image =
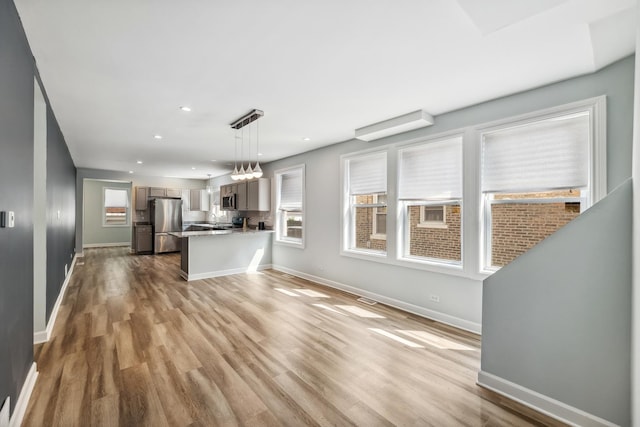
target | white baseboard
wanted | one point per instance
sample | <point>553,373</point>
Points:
<point>411,308</point>
<point>541,403</point>
<point>43,336</point>
<point>219,273</point>
<point>23,398</point>
<point>104,245</point>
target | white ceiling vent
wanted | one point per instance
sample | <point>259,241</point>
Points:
<point>400,124</point>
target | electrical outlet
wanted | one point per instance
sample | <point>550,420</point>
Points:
<point>435,298</point>
<point>11,219</point>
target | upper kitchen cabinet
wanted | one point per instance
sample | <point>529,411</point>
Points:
<point>198,200</point>
<point>241,196</point>
<point>142,193</point>
<point>174,192</point>
<point>157,192</point>
<point>259,195</point>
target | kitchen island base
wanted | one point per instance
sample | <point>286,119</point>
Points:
<point>210,254</point>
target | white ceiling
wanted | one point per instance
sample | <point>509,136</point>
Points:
<point>117,71</point>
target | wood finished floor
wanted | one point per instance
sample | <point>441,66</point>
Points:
<point>135,345</point>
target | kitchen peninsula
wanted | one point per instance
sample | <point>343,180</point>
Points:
<point>213,253</point>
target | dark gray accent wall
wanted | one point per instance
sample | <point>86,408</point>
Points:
<point>16,194</point>
<point>558,320</point>
<point>61,197</point>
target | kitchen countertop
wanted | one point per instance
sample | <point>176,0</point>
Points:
<point>182,234</point>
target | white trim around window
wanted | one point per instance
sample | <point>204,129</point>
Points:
<point>116,207</point>
<point>290,205</point>
<point>472,203</point>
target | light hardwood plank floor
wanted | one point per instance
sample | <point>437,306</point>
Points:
<point>135,345</point>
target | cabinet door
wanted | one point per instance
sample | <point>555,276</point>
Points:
<point>142,193</point>
<point>253,195</point>
<point>259,195</point>
<point>241,196</point>
<point>194,200</point>
<point>174,192</point>
<point>157,192</point>
<point>144,239</point>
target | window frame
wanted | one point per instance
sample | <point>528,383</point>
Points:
<point>280,214</point>
<point>347,236</point>
<point>472,204</point>
<point>597,166</point>
<point>127,222</point>
<point>422,223</point>
<point>374,229</point>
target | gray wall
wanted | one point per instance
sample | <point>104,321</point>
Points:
<point>61,214</point>
<point>460,297</point>
<point>16,194</point>
<point>558,320</point>
<point>93,231</point>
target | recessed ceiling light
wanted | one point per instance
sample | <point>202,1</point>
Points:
<point>259,154</point>
<point>157,136</point>
<point>139,162</point>
<point>193,169</point>
<point>185,108</point>
<point>214,160</point>
<point>130,171</point>
<point>306,138</point>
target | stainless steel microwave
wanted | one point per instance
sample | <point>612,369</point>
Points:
<point>229,201</point>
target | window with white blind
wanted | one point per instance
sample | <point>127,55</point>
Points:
<point>430,199</point>
<point>290,206</point>
<point>116,211</point>
<point>366,201</point>
<point>536,177</point>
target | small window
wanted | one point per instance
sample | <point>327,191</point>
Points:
<point>116,207</point>
<point>366,198</point>
<point>430,196</point>
<point>433,217</point>
<point>290,206</point>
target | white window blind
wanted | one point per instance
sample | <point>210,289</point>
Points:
<point>368,174</point>
<point>431,171</point>
<point>291,191</point>
<point>114,198</point>
<point>549,154</point>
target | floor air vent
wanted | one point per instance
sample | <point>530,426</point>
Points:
<point>367,301</point>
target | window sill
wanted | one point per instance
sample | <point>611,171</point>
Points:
<point>378,237</point>
<point>449,269</point>
<point>291,243</point>
<point>432,225</point>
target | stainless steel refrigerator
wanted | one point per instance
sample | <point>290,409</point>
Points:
<point>166,216</point>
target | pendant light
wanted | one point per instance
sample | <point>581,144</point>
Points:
<point>241,173</point>
<point>234,174</point>
<point>240,123</point>
<point>257,171</point>
<point>249,172</point>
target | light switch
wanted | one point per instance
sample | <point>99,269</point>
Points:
<point>11,219</point>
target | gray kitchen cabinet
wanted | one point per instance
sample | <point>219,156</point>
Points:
<point>174,192</point>
<point>144,239</point>
<point>198,200</point>
<point>241,196</point>
<point>259,195</point>
<point>157,192</point>
<point>142,193</point>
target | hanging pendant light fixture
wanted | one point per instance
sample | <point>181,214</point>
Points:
<point>241,173</point>
<point>234,174</point>
<point>240,124</point>
<point>249,172</point>
<point>257,171</point>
